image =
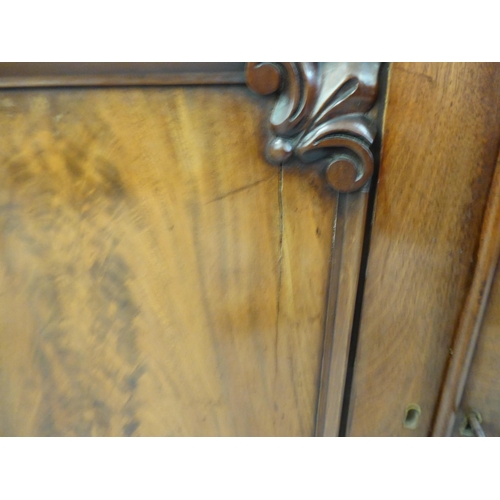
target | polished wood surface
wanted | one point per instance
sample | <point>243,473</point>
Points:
<point>482,390</point>
<point>160,278</point>
<point>325,118</point>
<point>347,246</point>
<point>471,317</point>
<point>441,136</point>
<point>157,275</point>
<point>118,74</point>
<point>322,113</point>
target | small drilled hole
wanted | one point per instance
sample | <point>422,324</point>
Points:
<point>412,415</point>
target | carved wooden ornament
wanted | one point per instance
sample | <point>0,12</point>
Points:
<point>321,116</point>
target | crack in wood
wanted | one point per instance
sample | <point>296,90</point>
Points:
<point>280,269</point>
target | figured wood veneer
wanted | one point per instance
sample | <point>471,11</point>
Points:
<point>157,276</point>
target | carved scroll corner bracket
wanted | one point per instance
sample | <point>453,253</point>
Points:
<point>322,114</point>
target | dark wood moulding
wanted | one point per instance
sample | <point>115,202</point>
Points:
<point>89,74</point>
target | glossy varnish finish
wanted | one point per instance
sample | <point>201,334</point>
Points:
<point>442,127</point>
<point>344,275</point>
<point>322,115</point>
<point>24,75</point>
<point>158,276</point>
<point>325,118</point>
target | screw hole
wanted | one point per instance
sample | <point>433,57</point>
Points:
<point>412,416</point>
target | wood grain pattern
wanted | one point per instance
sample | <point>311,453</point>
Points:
<point>157,276</point>
<point>471,317</point>
<point>482,391</point>
<point>301,299</point>
<point>118,74</point>
<point>441,133</point>
<point>344,276</point>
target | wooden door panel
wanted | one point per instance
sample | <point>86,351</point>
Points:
<point>158,276</point>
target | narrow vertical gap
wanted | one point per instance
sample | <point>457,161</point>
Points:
<point>377,150</point>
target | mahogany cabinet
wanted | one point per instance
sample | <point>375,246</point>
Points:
<point>261,249</point>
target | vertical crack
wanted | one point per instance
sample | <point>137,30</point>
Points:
<point>280,271</point>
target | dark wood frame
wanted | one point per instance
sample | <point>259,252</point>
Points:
<point>99,74</point>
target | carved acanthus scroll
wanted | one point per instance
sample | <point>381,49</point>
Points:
<point>322,115</point>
